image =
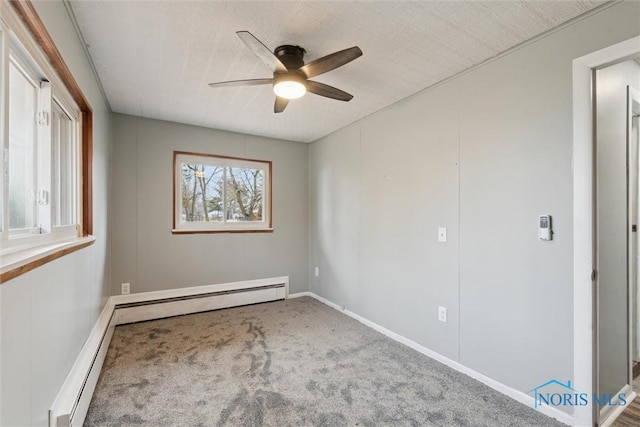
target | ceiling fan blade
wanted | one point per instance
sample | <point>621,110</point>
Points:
<point>328,91</point>
<point>250,82</point>
<point>280,105</point>
<point>331,62</point>
<point>261,51</point>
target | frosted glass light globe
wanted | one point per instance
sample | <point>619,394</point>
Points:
<point>289,89</point>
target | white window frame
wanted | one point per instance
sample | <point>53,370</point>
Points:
<point>73,112</point>
<point>17,43</point>
<point>182,227</point>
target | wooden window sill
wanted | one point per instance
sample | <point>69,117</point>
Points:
<point>17,263</point>
<point>230,230</point>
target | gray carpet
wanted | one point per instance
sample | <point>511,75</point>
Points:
<point>287,363</point>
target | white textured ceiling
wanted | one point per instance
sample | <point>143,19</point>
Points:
<point>155,58</point>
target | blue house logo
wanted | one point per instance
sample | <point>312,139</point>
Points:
<point>554,399</point>
<point>557,393</point>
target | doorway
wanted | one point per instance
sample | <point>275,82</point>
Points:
<point>586,293</point>
<point>633,137</point>
<point>616,185</point>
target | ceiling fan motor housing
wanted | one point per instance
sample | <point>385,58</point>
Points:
<point>291,56</point>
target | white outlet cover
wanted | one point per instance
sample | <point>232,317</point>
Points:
<point>442,234</point>
<point>125,288</point>
<point>442,314</point>
<point>317,272</point>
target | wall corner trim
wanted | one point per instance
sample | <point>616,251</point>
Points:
<point>299,295</point>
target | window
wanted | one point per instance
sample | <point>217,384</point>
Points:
<point>221,194</point>
<point>41,183</point>
<point>65,170</point>
<point>22,162</point>
<point>45,154</point>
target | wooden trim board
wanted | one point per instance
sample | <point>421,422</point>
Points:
<point>42,260</point>
<point>268,207</point>
<point>29,16</point>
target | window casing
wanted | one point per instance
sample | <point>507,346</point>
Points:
<point>220,194</point>
<point>40,160</point>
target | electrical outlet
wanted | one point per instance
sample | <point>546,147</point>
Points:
<point>442,314</point>
<point>125,288</point>
<point>317,272</point>
<point>442,234</point>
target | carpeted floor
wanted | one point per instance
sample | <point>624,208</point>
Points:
<point>287,363</point>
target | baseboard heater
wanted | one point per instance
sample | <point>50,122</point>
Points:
<point>72,402</point>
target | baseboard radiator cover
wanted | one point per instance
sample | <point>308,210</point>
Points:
<point>72,402</point>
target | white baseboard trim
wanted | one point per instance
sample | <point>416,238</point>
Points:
<point>72,402</point>
<point>73,399</point>
<point>517,395</point>
<point>607,418</point>
<point>299,295</point>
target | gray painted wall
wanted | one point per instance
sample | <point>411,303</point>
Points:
<point>146,253</point>
<point>483,154</point>
<point>46,315</point>
<point>611,98</point>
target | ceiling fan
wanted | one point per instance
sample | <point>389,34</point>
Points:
<point>290,74</point>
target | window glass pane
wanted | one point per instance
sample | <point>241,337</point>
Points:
<point>201,192</point>
<point>63,148</point>
<point>244,194</point>
<point>22,151</point>
<point>218,193</point>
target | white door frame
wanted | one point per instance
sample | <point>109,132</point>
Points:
<point>583,207</point>
<point>635,139</point>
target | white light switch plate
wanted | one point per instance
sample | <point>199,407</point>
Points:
<point>317,272</point>
<point>442,234</point>
<point>442,314</point>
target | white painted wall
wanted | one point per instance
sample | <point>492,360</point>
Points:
<point>149,257</point>
<point>611,89</point>
<point>47,314</point>
<point>483,154</point>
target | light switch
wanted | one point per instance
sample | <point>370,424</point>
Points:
<point>442,234</point>
<point>442,314</point>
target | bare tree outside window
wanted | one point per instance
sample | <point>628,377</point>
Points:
<point>202,189</point>
<point>244,194</point>
<point>231,194</point>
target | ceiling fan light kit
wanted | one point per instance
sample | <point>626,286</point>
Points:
<point>290,73</point>
<point>289,86</point>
